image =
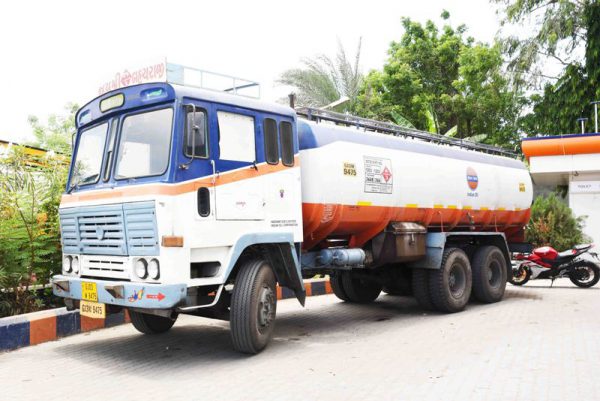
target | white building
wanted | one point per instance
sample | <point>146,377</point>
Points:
<point>574,161</point>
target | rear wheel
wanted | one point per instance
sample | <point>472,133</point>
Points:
<point>399,283</point>
<point>359,289</point>
<point>253,307</point>
<point>150,324</point>
<point>489,274</point>
<point>450,286</point>
<point>420,288</point>
<point>585,275</point>
<point>338,287</point>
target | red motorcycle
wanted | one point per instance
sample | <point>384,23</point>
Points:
<point>547,263</point>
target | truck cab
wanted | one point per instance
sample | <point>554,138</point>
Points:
<point>174,195</point>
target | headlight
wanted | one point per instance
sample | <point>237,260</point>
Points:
<point>67,264</point>
<point>75,265</point>
<point>140,268</point>
<point>153,269</point>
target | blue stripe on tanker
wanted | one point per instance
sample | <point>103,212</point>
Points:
<point>313,135</point>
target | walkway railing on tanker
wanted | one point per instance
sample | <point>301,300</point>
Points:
<point>396,130</point>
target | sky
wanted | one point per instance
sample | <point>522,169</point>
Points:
<point>55,52</point>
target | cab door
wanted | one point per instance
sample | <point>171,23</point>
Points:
<point>195,154</point>
<point>239,185</point>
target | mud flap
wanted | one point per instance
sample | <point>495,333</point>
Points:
<point>284,260</point>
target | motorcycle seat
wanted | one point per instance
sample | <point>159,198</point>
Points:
<point>568,252</point>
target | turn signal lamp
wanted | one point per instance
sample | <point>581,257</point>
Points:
<point>172,241</point>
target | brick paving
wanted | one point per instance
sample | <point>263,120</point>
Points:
<point>540,343</point>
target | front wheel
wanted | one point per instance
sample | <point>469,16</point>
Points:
<point>585,275</point>
<point>253,307</point>
<point>150,324</point>
<point>520,275</point>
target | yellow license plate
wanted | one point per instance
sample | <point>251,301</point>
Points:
<point>92,309</point>
<point>89,291</point>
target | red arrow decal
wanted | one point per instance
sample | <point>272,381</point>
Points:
<point>160,296</point>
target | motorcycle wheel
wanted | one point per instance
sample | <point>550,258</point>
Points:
<point>585,275</point>
<point>520,276</point>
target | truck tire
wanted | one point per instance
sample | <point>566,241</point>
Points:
<point>450,286</point>
<point>359,290</point>
<point>489,274</point>
<point>399,284</point>
<point>150,324</point>
<point>337,286</point>
<point>253,307</point>
<point>420,288</point>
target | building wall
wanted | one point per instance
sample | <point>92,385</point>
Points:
<point>584,200</point>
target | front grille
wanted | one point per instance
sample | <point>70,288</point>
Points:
<point>119,230</point>
<point>116,267</point>
<point>141,228</point>
<point>101,232</point>
<point>105,265</point>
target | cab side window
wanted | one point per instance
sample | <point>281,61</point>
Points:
<point>287,143</point>
<point>236,137</point>
<point>271,142</point>
<point>201,134</point>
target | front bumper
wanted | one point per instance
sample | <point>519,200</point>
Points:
<point>123,293</point>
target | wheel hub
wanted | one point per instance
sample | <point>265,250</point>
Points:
<point>584,274</point>
<point>456,281</point>
<point>266,306</point>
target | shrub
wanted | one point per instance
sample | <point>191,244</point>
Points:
<point>30,251</point>
<point>553,223</point>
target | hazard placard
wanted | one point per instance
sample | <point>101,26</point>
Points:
<point>379,177</point>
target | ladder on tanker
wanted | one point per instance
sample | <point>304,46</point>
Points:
<point>348,120</point>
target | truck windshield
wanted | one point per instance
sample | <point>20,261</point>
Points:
<point>145,144</point>
<point>86,169</point>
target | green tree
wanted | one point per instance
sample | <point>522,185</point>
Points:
<point>30,251</point>
<point>323,80</point>
<point>444,82</point>
<point>57,133</point>
<point>553,223</point>
<point>564,33</point>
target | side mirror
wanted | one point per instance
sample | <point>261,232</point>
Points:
<point>191,129</point>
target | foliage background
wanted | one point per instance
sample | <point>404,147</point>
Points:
<point>31,184</point>
<point>553,223</point>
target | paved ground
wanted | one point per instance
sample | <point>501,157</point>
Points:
<point>538,344</point>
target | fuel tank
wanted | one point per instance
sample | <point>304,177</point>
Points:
<point>355,183</point>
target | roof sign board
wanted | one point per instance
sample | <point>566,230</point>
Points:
<point>163,71</point>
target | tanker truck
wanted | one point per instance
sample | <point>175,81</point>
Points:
<point>184,200</point>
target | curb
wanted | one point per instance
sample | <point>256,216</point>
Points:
<point>49,325</point>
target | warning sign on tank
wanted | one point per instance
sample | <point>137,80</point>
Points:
<point>379,178</point>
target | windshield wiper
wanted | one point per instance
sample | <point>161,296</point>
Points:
<point>72,187</point>
<point>88,179</point>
